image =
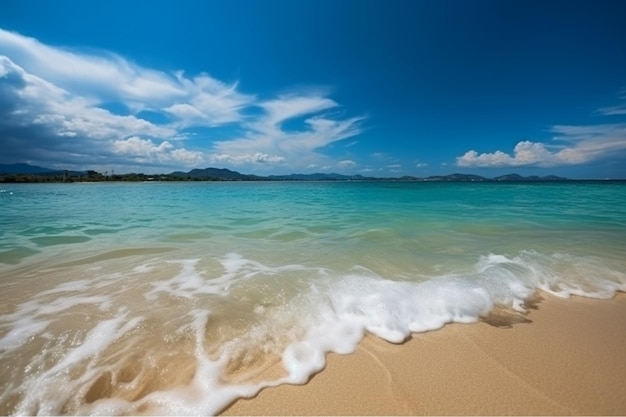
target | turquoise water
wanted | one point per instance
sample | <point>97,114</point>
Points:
<point>170,298</point>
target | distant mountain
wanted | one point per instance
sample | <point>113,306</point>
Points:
<point>228,175</point>
<point>215,174</point>
<point>223,174</point>
<point>456,177</point>
<point>317,177</point>
<point>37,171</point>
<point>517,177</point>
<point>23,169</point>
<point>501,178</point>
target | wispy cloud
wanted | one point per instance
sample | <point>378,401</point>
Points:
<point>394,168</point>
<point>268,136</point>
<point>207,102</point>
<point>54,107</point>
<point>616,110</point>
<point>107,77</point>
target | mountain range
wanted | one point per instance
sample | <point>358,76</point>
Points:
<point>223,174</point>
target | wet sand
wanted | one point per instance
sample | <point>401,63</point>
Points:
<point>566,357</point>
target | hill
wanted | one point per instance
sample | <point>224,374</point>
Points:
<point>32,173</point>
<point>220,174</point>
<point>23,169</point>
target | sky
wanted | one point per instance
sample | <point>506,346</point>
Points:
<point>371,87</point>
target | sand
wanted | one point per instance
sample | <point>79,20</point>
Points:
<point>566,357</point>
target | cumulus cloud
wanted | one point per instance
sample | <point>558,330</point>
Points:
<point>346,164</point>
<point>48,122</point>
<point>572,145</point>
<point>146,151</point>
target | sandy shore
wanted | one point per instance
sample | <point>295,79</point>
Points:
<point>567,357</point>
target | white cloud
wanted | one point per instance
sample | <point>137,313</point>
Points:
<point>296,148</point>
<point>65,126</point>
<point>614,110</point>
<point>187,157</point>
<point>104,77</point>
<point>573,145</point>
<point>257,157</point>
<point>40,102</point>
<point>146,151</point>
<point>86,72</point>
<point>54,102</point>
<point>141,147</point>
<point>207,102</point>
<point>382,157</point>
<point>288,107</point>
<point>620,109</point>
<point>524,153</point>
<point>346,164</point>
<point>421,165</point>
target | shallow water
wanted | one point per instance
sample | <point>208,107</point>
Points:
<point>177,298</point>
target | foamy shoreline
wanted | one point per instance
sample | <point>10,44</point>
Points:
<point>566,357</point>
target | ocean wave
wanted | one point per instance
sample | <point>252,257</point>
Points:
<point>190,336</point>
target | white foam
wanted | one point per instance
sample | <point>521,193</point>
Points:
<point>300,321</point>
<point>51,389</point>
<point>190,282</point>
<point>22,329</point>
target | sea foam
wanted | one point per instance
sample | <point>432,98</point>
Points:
<point>195,339</point>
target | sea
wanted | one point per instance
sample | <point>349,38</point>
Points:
<point>179,298</point>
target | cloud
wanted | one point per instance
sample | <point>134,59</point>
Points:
<point>257,157</point>
<point>614,110</point>
<point>146,151</point>
<point>207,102</point>
<point>288,107</point>
<point>107,77</point>
<point>294,147</point>
<point>346,164</point>
<point>45,121</point>
<point>55,106</point>
<point>382,157</point>
<point>573,145</point>
<point>617,110</point>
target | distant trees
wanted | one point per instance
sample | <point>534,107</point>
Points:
<point>93,176</point>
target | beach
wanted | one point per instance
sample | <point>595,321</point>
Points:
<point>565,357</point>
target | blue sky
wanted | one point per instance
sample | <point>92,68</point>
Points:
<point>381,88</point>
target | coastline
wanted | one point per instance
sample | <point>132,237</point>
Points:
<point>566,357</point>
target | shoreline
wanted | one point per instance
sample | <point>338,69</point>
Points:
<point>565,357</point>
